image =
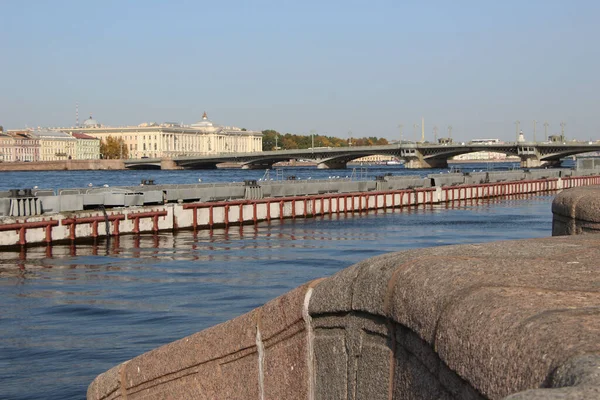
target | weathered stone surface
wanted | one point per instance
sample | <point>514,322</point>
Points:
<point>331,364</point>
<point>514,318</point>
<point>578,378</point>
<point>224,361</point>
<point>576,211</point>
<point>106,385</point>
<point>502,315</point>
<point>286,372</point>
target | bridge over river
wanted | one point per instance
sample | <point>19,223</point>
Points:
<point>415,155</point>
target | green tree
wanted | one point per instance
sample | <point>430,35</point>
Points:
<point>1,128</point>
<point>271,139</point>
<point>291,141</point>
<point>113,148</point>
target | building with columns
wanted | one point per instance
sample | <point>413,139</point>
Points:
<point>168,140</point>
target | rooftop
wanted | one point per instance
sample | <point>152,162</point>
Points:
<point>77,135</point>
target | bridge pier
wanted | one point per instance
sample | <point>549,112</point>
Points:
<point>416,163</point>
<point>530,157</point>
<point>168,164</point>
<point>263,165</point>
<point>334,164</point>
<point>530,162</point>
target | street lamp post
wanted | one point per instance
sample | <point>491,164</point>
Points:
<point>546,130</point>
<point>312,139</point>
<point>534,122</point>
<point>400,126</point>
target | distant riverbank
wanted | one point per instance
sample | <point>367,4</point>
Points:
<point>66,165</point>
<point>506,160</point>
<point>95,165</point>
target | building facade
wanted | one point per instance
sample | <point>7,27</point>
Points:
<point>55,145</point>
<point>170,140</point>
<point>7,147</point>
<point>375,159</point>
<point>86,147</point>
<point>19,145</point>
<point>485,155</point>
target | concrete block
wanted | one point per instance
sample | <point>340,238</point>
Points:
<point>4,206</point>
<point>93,199</point>
<point>133,199</point>
<point>50,204</point>
<point>153,197</point>
<point>70,202</point>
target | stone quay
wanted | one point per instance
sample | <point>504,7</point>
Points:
<point>517,320</point>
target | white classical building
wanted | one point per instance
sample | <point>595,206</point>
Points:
<point>169,140</point>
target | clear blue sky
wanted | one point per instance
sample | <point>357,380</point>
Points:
<point>293,66</point>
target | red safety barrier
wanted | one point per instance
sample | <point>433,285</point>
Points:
<point>146,214</point>
<point>73,222</point>
<point>23,226</point>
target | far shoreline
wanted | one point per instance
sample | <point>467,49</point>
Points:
<point>110,165</point>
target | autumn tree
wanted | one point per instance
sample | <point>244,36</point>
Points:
<point>113,148</point>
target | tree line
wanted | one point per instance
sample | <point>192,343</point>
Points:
<point>291,141</point>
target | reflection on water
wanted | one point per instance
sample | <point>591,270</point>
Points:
<point>72,312</point>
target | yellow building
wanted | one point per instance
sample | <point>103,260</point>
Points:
<point>7,144</point>
<point>169,140</point>
<point>55,145</point>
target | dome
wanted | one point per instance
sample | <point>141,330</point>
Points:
<point>205,123</point>
<point>91,123</point>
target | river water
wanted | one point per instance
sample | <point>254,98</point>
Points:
<point>72,312</point>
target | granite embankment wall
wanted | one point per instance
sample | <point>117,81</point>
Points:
<point>576,211</point>
<point>71,226</point>
<point>517,319</point>
<point>63,165</point>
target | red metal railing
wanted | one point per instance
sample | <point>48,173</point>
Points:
<point>22,227</point>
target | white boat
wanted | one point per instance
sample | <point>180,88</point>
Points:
<point>394,162</point>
